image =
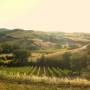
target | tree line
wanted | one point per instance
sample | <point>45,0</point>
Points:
<point>19,55</point>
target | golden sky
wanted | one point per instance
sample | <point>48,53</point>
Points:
<point>46,15</point>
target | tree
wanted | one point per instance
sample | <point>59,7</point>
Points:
<point>88,49</point>
<point>42,61</point>
<point>1,49</point>
<point>78,62</point>
<point>9,47</point>
<point>5,48</point>
<point>21,56</point>
<point>66,60</point>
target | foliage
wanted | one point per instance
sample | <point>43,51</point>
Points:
<point>21,56</point>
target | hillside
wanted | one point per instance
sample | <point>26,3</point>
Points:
<point>35,40</point>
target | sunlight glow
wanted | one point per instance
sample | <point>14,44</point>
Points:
<point>46,15</point>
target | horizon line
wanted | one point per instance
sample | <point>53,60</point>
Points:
<point>42,30</point>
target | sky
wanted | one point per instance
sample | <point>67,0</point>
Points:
<point>46,15</point>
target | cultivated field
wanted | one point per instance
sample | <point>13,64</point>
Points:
<point>41,75</point>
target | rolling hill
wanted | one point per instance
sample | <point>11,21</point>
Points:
<point>35,40</point>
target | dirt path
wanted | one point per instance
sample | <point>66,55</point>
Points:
<point>71,51</point>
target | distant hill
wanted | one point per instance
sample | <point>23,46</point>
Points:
<point>42,40</point>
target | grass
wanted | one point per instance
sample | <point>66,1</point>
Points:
<point>14,86</point>
<point>49,51</point>
<point>4,55</point>
<point>37,54</point>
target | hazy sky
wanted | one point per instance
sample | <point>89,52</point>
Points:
<point>49,15</point>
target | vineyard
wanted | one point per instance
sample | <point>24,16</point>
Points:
<point>36,71</point>
<point>40,75</point>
